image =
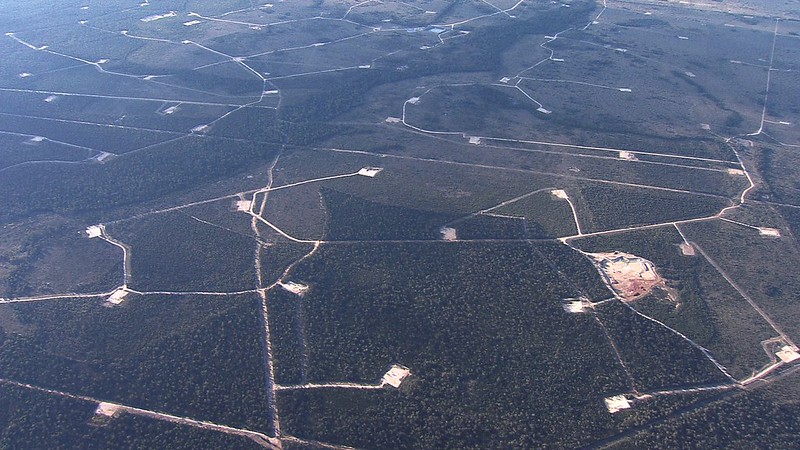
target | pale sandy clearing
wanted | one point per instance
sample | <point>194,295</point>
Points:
<point>575,305</point>
<point>243,205</point>
<point>103,156</point>
<point>448,233</point>
<point>769,232</point>
<point>158,16</point>
<point>687,249</point>
<point>395,375</point>
<point>370,171</point>
<point>788,354</point>
<point>118,296</point>
<point>628,275</point>
<point>107,409</point>
<point>617,403</point>
<point>94,231</point>
<point>295,288</point>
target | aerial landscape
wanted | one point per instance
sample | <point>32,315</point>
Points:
<point>421,224</point>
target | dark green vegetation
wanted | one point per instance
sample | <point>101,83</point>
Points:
<point>486,226</point>
<point>31,419</point>
<point>48,254</point>
<point>582,274</point>
<point>613,207</point>
<point>767,418</point>
<point>656,357</point>
<point>186,356</point>
<point>277,257</point>
<point>201,110</point>
<point>779,167</point>
<point>287,328</point>
<point>148,174</point>
<point>474,323</point>
<point>15,149</point>
<point>774,257</point>
<point>103,138</point>
<point>697,301</point>
<point>167,255</point>
<point>545,216</point>
<point>353,219</point>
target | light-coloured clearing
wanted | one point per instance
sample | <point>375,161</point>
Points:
<point>769,232</point>
<point>50,98</point>
<point>543,111</point>
<point>191,23</point>
<point>94,231</point>
<point>370,171</point>
<point>107,409</point>
<point>25,75</point>
<point>393,120</point>
<point>243,205</point>
<point>103,156</point>
<point>200,129</point>
<point>617,403</point>
<point>118,296</point>
<point>628,275</point>
<point>627,156</point>
<point>158,16</point>
<point>576,305</point>
<point>448,233</point>
<point>560,193</point>
<point>687,249</point>
<point>295,288</point>
<point>395,375</point>
<point>474,140</point>
<point>413,100</point>
<point>788,354</point>
<point>505,80</point>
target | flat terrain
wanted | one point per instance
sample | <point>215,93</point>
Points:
<point>565,224</point>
